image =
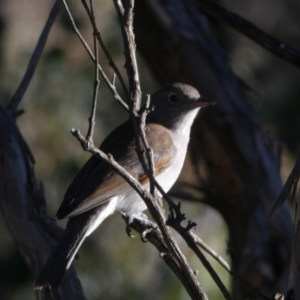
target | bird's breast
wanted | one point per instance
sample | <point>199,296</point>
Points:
<point>167,178</point>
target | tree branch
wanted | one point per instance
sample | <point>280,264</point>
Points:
<point>22,88</point>
<point>106,52</point>
<point>291,182</point>
<point>197,240</point>
<point>270,43</point>
<point>126,20</point>
<point>152,233</point>
<point>110,85</point>
<point>90,133</point>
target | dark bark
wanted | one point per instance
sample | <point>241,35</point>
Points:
<point>23,205</point>
<point>236,161</point>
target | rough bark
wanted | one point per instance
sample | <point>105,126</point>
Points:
<point>23,205</point>
<point>236,161</point>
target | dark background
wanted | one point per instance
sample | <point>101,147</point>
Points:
<point>110,264</point>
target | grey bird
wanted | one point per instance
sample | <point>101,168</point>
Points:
<point>97,191</point>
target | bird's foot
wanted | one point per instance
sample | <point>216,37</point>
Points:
<point>142,218</point>
<point>144,233</point>
<point>129,220</point>
<point>151,225</point>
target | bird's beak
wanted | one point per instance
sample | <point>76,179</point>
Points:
<point>202,102</point>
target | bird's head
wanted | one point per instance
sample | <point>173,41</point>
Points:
<point>176,105</point>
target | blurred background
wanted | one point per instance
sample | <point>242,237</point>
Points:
<point>110,264</point>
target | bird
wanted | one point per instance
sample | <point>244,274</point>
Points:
<point>98,192</point>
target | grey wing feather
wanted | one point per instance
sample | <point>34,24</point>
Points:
<point>91,176</point>
<point>97,183</point>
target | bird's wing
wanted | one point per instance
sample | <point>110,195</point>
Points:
<point>96,182</point>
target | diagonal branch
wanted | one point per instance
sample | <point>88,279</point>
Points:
<point>150,231</point>
<point>22,88</point>
<point>197,240</point>
<point>154,236</point>
<point>272,44</point>
<point>291,182</point>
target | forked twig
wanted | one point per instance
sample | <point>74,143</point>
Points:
<point>90,53</point>
<point>106,52</point>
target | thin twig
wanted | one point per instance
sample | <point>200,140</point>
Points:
<point>149,152</point>
<point>90,53</point>
<point>210,251</point>
<point>211,271</point>
<point>106,52</point>
<point>184,232</point>
<point>247,28</point>
<point>126,19</point>
<point>193,240</point>
<point>110,160</point>
<point>114,165</point>
<point>90,133</point>
<point>35,57</point>
<point>196,239</point>
<point>291,182</point>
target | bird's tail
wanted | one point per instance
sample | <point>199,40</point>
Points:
<point>78,228</point>
<point>59,261</point>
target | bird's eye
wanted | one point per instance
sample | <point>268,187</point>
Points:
<point>173,98</point>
